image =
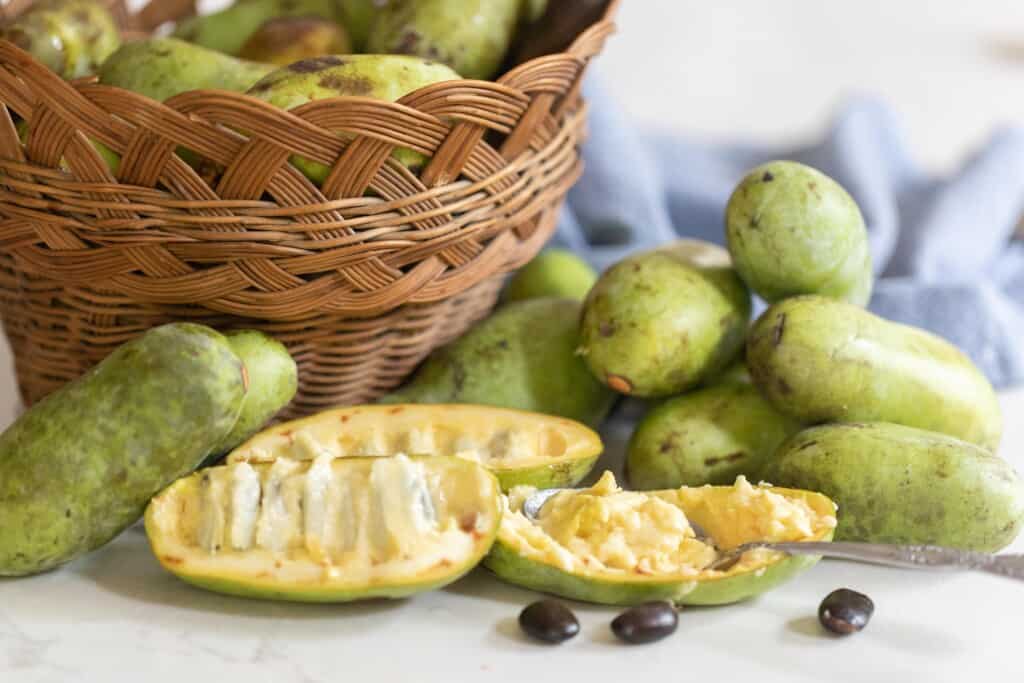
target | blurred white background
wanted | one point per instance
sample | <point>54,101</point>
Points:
<point>776,71</point>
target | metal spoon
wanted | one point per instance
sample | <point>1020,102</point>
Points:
<point>904,556</point>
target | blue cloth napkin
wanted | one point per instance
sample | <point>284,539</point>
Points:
<point>943,247</point>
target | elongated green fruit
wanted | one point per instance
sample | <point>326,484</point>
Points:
<point>522,357</point>
<point>80,466</point>
<point>273,381</point>
<point>470,36</point>
<point>228,30</point>
<point>822,360</point>
<point>896,484</point>
<point>160,68</point>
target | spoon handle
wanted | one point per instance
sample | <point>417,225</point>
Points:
<point>911,556</point>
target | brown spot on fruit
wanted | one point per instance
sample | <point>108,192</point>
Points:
<point>410,40</point>
<point>767,177</point>
<point>784,387</point>
<point>606,329</point>
<point>468,521</point>
<point>620,384</point>
<point>171,559</point>
<point>779,330</point>
<point>311,66</point>
<point>345,418</point>
<point>396,411</point>
<point>349,85</point>
<point>807,445</point>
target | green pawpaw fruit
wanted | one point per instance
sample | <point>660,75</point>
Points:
<point>661,322</point>
<point>71,37</point>
<point>896,484</point>
<point>286,40</point>
<point>522,357</point>
<point>470,36</point>
<point>79,466</point>
<point>228,30</point>
<point>821,360</point>
<point>273,382</point>
<point>553,273</point>
<point>382,77</point>
<point>709,436</point>
<point>792,230</point>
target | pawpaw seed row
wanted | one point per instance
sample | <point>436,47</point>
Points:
<point>330,530</point>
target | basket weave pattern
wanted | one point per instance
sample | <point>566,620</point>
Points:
<point>361,277</point>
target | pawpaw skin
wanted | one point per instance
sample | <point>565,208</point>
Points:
<point>511,567</point>
<point>820,360</point>
<point>664,321</point>
<point>897,484</point>
<point>80,466</point>
<point>793,230</point>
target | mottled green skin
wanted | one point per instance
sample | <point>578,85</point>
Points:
<point>71,37</point>
<point>471,36</point>
<point>79,467</point>
<point>710,436</point>
<point>510,566</point>
<point>566,474</point>
<point>382,77</point>
<point>228,30</point>
<point>553,273</point>
<point>793,230</point>
<point>285,40</point>
<point>821,360</point>
<point>161,68</point>
<point>660,323</point>
<point>524,357</point>
<point>273,381</point>
<point>895,484</point>
<point>358,16</point>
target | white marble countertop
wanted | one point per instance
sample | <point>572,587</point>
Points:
<point>117,616</point>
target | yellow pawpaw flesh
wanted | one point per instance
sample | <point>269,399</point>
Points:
<point>521,448</point>
<point>327,530</point>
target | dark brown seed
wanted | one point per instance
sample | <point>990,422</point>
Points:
<point>845,611</point>
<point>646,623</point>
<point>549,621</point>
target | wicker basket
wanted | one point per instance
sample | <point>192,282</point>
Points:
<point>361,278</point>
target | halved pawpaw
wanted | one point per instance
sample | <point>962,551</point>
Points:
<point>520,448</point>
<point>615,547</point>
<point>327,530</point>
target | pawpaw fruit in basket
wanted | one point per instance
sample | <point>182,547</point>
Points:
<point>228,30</point>
<point>383,77</point>
<point>471,36</point>
<point>286,40</point>
<point>71,37</point>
